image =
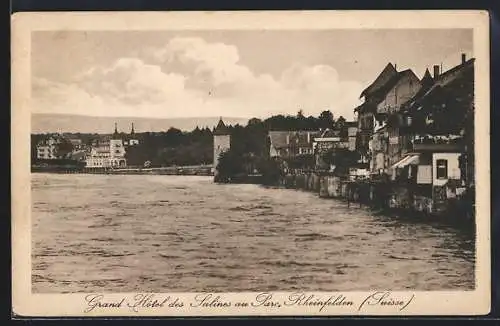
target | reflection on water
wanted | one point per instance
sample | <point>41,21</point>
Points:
<point>184,234</point>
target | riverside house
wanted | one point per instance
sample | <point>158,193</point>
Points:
<point>436,165</point>
<point>341,137</point>
<point>290,144</point>
<point>48,148</point>
<point>380,141</point>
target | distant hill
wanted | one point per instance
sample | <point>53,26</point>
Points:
<point>45,123</point>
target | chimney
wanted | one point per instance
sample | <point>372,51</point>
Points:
<point>463,58</point>
<point>436,71</point>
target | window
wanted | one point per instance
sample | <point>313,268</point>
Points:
<point>441,169</point>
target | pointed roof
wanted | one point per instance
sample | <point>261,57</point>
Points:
<point>132,131</point>
<point>430,84</point>
<point>427,76</point>
<point>328,133</point>
<point>221,128</point>
<point>115,134</point>
<point>379,94</point>
<point>387,73</point>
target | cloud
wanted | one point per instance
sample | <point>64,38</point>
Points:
<point>190,77</point>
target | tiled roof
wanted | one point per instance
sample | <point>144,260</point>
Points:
<point>379,94</point>
<point>221,128</point>
<point>328,133</point>
<point>278,138</point>
<point>299,138</point>
<point>444,81</point>
<point>387,73</point>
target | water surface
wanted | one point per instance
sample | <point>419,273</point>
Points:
<point>112,233</point>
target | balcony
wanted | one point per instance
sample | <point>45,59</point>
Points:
<point>437,147</point>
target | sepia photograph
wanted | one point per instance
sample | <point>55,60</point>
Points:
<point>253,160</point>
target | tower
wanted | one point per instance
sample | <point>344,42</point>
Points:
<point>222,142</point>
<point>115,134</point>
<point>132,139</point>
<point>116,150</point>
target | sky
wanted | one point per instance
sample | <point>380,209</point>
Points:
<point>172,74</point>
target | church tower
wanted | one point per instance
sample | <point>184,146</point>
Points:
<point>132,139</point>
<point>222,142</point>
<point>117,150</point>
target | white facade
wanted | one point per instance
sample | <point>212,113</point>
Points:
<point>47,149</point>
<point>222,143</point>
<point>107,156</point>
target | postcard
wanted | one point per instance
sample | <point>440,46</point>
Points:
<point>263,163</point>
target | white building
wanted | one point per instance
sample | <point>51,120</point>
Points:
<point>48,149</point>
<point>109,154</point>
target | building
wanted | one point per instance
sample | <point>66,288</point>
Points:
<point>48,148</point>
<point>382,102</point>
<point>343,136</point>
<point>366,111</point>
<point>378,147</point>
<point>437,122</point>
<point>77,144</point>
<point>430,175</point>
<point>108,153</point>
<point>289,144</point>
<point>131,139</point>
<point>222,142</point>
<point>325,144</point>
<point>442,113</point>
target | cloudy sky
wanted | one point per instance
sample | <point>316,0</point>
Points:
<point>225,73</point>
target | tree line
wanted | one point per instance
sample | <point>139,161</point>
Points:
<point>175,147</point>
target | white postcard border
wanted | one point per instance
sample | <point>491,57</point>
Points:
<point>25,303</point>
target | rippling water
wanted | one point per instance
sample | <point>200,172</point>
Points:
<point>184,234</point>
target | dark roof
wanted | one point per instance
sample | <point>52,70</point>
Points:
<point>444,81</point>
<point>379,94</point>
<point>382,91</point>
<point>366,107</point>
<point>279,138</point>
<point>328,133</point>
<point>221,128</point>
<point>388,72</point>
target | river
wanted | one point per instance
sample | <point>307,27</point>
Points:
<point>112,233</point>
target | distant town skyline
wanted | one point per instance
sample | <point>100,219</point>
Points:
<point>165,74</point>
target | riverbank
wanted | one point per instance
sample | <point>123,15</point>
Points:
<point>183,170</point>
<point>387,197</point>
<point>384,198</point>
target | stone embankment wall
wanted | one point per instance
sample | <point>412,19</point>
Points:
<point>378,195</point>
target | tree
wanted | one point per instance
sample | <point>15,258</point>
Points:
<point>270,170</point>
<point>64,148</point>
<point>230,165</point>
<point>303,161</point>
<point>254,121</point>
<point>341,158</point>
<point>340,122</point>
<point>326,119</point>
